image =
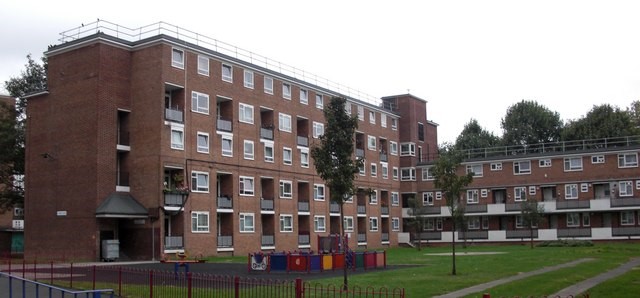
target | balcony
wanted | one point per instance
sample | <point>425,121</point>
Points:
<point>384,157</point>
<point>519,234</point>
<point>573,205</point>
<point>362,237</point>
<point>266,133</point>
<point>225,202</point>
<point>577,232</point>
<point>384,210</point>
<point>625,231</point>
<point>430,236</point>
<point>513,207</point>
<point>173,242</point>
<point>303,207</point>
<point>304,239</point>
<point>268,240</point>
<point>473,235</point>
<point>475,208</point>
<point>628,202</point>
<point>384,237</point>
<point>360,153</point>
<point>224,125</point>
<point>362,209</point>
<point>225,241</point>
<point>174,115</point>
<point>334,208</point>
<point>266,204</point>
<point>430,210</point>
<point>302,141</point>
<point>175,198</point>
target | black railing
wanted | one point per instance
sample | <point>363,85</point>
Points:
<point>475,208</point>
<point>513,207</point>
<point>473,235</point>
<point>430,236</point>
<point>625,231</point>
<point>575,232</point>
<point>524,233</point>
<point>573,204</point>
<point>626,202</point>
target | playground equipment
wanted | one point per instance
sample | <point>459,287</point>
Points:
<point>312,262</point>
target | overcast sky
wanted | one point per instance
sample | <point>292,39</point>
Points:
<point>468,59</point>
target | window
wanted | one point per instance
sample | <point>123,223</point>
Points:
<point>371,143</point>
<point>246,113</point>
<point>268,152</point>
<point>395,224</point>
<point>519,222</point>
<point>627,160</point>
<point>373,197</point>
<point>285,122</point>
<point>394,173</point>
<point>248,79</point>
<point>268,85</point>
<point>246,186</point>
<point>199,102</point>
<point>373,224</point>
<point>319,223</point>
<point>304,97</point>
<point>348,223</point>
<point>394,123</point>
<point>584,187</point>
<point>586,220</point>
<point>474,223</point>
<point>429,225</point>
<point>393,147</point>
<point>475,169</point>
<point>177,137</point>
<point>227,145</point>
<point>286,189</point>
<point>438,195</point>
<point>227,73</point>
<point>247,223</point>
<point>484,192</point>
<point>199,181</point>
<point>347,108</point>
<point>318,129</point>
<point>361,113</point>
<point>544,163</point>
<point>177,58</point>
<point>573,164</point>
<point>304,158</point>
<point>384,168</point>
<point>427,199</point>
<point>596,159</point>
<point>383,120</point>
<point>626,188</point>
<point>248,150</point>
<point>361,169</point>
<point>395,199</point>
<point>407,174</point>
<point>319,101</point>
<point>472,196</point>
<point>374,170</point>
<point>439,224</point>
<point>407,149</point>
<point>286,91</point>
<point>485,222</point>
<point>573,219</point>
<point>520,193</point>
<point>496,166</point>
<point>199,222</point>
<point>532,190</point>
<point>203,65</point>
<point>522,167</point>
<point>203,142</point>
<point>286,223</point>
<point>420,131</point>
<point>287,156</point>
<point>571,191</point>
<point>318,192</point>
<point>372,117</point>
<point>627,218</point>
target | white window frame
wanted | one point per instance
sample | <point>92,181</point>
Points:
<point>361,113</point>
<point>411,174</point>
<point>177,61</point>
<point>371,143</point>
<point>473,196</point>
<point>571,191</point>
<point>284,122</point>
<point>584,187</point>
<point>384,168</point>
<point>249,150</point>
<point>286,91</point>
<point>243,226</point>
<point>319,224</point>
<point>269,157</point>
<point>286,189</point>
<point>304,96</point>
<point>532,190</point>
<point>372,117</point>
<point>627,218</point>
<point>395,173</point>
<point>246,186</point>
<point>319,101</point>
<point>319,192</point>
<point>373,224</point>
<point>246,113</point>
<point>394,123</point>
<point>374,169</point>
<point>287,160</point>
<point>318,129</point>
<point>573,219</point>
<point>408,149</point>
<point>395,198</point>
<point>373,197</point>
<point>200,102</point>
<point>476,169</point>
<point>395,224</point>
<point>347,223</point>
<point>473,223</point>
<point>544,163</point>
<point>519,193</point>
<point>573,164</point>
<point>177,131</point>
<point>496,166</point>
<point>520,222</point>
<point>286,226</point>
<point>623,161</point>
<point>438,195</point>
<point>625,188</point>
<point>383,120</point>
<point>428,198</point>
<point>198,224</point>
<point>304,158</point>
<point>586,219</point>
<point>227,77</point>
<point>227,139</point>
<point>248,79</point>
<point>202,148</point>
<point>484,193</point>
<point>597,159</point>
<point>518,165</point>
<point>393,147</point>
<point>199,181</point>
<point>268,85</point>
<point>203,65</point>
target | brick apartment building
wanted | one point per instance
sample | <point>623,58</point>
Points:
<point>176,142</point>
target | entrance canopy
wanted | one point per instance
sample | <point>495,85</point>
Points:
<point>121,205</point>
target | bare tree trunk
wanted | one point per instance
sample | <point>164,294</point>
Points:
<point>345,247</point>
<point>531,235</point>
<point>453,248</point>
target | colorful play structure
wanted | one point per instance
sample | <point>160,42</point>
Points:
<point>329,257</point>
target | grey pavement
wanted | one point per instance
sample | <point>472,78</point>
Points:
<point>587,284</point>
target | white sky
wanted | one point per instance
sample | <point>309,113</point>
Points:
<point>468,59</point>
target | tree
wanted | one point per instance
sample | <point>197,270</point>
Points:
<point>452,185</point>
<point>475,137</point>
<point>532,214</point>
<point>12,131</point>
<point>634,112</point>
<point>417,222</point>
<point>603,121</point>
<point>528,122</point>
<point>334,161</point>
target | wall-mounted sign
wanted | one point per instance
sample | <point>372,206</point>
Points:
<point>61,213</point>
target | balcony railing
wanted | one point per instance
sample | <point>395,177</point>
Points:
<point>173,242</point>
<point>362,237</point>
<point>303,141</point>
<point>225,241</point>
<point>576,232</point>
<point>573,204</point>
<point>359,152</point>
<point>303,206</point>
<point>304,239</point>
<point>384,237</point>
<point>430,236</point>
<point>628,202</point>
<point>266,204</point>
<point>174,198</point>
<point>384,157</point>
<point>362,209</point>
<point>514,234</point>
<point>173,115</point>
<point>428,210</point>
<point>334,207</point>
<point>266,133</point>
<point>224,125</point>
<point>513,207</point>
<point>384,210</point>
<point>475,208</point>
<point>225,203</point>
<point>625,231</point>
<point>268,240</point>
<point>473,235</point>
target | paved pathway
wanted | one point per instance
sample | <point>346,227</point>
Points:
<point>491,284</point>
<point>585,285</point>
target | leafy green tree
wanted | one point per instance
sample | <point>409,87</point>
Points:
<point>528,122</point>
<point>334,159</point>
<point>634,112</point>
<point>603,121</point>
<point>12,131</point>
<point>532,214</point>
<point>417,221</point>
<point>473,136</point>
<point>446,177</point>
